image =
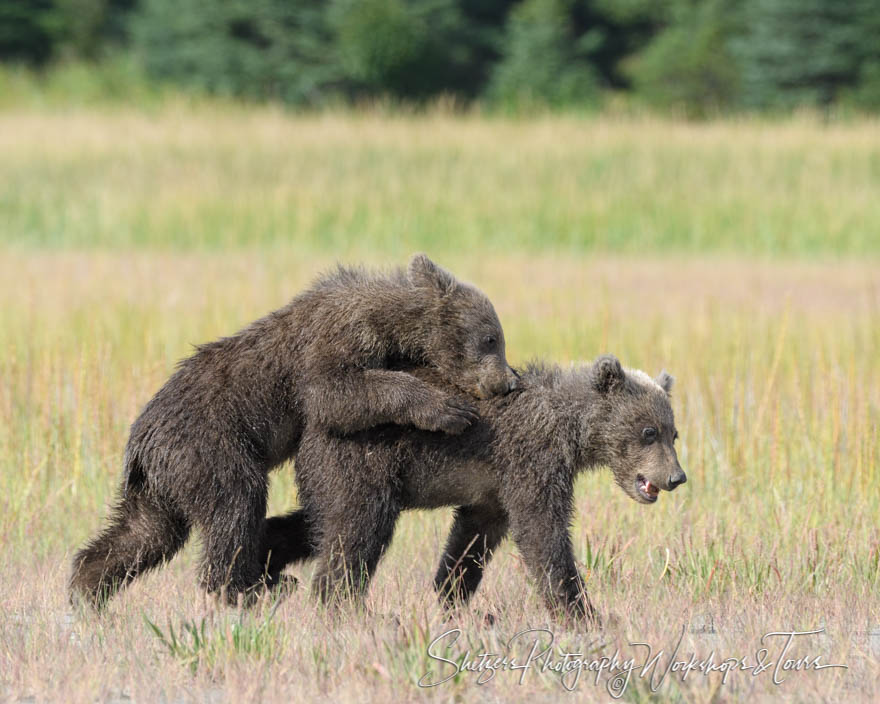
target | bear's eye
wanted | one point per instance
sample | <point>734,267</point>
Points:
<point>675,436</point>
<point>490,341</point>
<point>649,434</point>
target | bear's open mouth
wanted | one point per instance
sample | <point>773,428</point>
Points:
<point>646,490</point>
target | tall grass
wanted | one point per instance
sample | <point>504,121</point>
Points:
<point>777,402</point>
<point>219,176</point>
<point>777,397</point>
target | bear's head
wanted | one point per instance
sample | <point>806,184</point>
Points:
<point>637,429</point>
<point>461,334</point>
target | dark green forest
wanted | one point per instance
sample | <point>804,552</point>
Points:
<point>696,56</point>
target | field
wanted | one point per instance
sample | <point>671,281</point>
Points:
<point>741,256</point>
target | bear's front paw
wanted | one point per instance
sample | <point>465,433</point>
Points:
<point>452,416</point>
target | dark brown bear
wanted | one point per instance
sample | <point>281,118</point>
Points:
<point>200,452</point>
<point>511,471</point>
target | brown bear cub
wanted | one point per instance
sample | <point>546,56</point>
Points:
<point>512,471</point>
<point>200,451</point>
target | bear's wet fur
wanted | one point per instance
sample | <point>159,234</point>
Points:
<point>200,452</point>
<point>512,471</point>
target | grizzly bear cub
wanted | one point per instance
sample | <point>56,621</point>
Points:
<point>200,452</point>
<point>512,471</point>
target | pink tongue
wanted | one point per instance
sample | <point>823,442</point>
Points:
<point>650,488</point>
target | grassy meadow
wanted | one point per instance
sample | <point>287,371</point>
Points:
<point>740,256</point>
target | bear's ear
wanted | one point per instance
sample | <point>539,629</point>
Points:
<point>424,273</point>
<point>608,375</point>
<point>665,381</point>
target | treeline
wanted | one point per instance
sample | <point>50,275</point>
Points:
<point>700,56</point>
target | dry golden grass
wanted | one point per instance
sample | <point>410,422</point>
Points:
<point>777,402</point>
<point>126,236</point>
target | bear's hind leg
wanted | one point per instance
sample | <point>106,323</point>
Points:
<point>352,541</point>
<point>234,527</point>
<point>476,532</point>
<point>288,539</point>
<point>141,534</point>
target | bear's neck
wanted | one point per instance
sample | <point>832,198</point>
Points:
<point>402,320</point>
<point>580,415</point>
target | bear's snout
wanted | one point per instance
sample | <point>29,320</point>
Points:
<point>678,478</point>
<point>497,383</point>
